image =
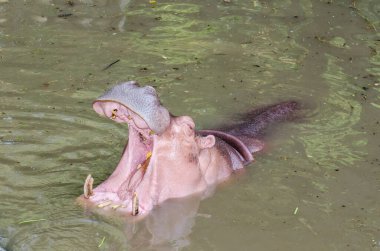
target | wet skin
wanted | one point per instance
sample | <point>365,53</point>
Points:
<point>174,162</point>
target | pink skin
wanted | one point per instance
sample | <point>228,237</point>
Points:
<point>181,164</point>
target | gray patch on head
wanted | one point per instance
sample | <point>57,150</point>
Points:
<point>143,101</point>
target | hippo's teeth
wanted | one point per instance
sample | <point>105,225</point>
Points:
<point>151,132</point>
<point>148,155</point>
<point>87,188</point>
<point>104,204</point>
<point>135,205</point>
<point>114,207</point>
<point>113,116</point>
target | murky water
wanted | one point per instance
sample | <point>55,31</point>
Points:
<point>316,188</point>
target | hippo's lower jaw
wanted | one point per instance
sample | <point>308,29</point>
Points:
<point>120,191</point>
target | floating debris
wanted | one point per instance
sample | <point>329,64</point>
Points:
<point>101,242</point>
<point>65,15</point>
<point>29,221</point>
<point>111,64</point>
<point>295,211</point>
<point>70,3</point>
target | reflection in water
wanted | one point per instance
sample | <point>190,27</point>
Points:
<point>168,227</point>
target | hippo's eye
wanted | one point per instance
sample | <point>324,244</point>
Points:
<point>113,116</point>
<point>129,117</point>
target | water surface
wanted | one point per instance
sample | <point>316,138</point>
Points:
<point>316,187</point>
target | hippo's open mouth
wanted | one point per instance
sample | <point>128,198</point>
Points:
<point>145,118</point>
<point>119,191</point>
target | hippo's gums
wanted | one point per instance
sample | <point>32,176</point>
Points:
<point>165,157</point>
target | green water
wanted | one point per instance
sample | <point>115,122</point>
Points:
<point>317,187</point>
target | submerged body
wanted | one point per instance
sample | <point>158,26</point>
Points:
<point>165,156</point>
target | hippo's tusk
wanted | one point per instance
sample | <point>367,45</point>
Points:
<point>135,205</point>
<point>87,188</point>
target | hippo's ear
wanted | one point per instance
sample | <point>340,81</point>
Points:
<point>206,141</point>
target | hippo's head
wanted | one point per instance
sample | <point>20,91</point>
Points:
<point>164,158</point>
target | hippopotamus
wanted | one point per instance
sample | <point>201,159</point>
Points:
<point>166,157</point>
